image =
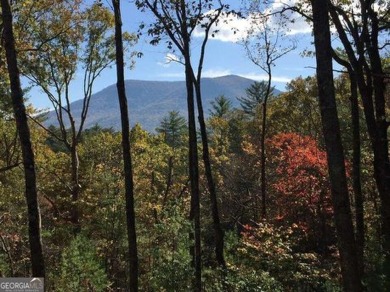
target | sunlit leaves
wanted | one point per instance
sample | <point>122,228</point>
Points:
<point>296,110</point>
<point>272,248</point>
<point>300,180</point>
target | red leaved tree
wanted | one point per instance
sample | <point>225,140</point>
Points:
<point>301,187</point>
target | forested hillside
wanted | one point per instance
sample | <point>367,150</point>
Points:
<point>232,185</point>
<point>150,100</point>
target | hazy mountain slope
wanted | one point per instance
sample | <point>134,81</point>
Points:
<point>149,101</point>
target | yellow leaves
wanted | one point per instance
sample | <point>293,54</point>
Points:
<point>99,167</point>
<point>249,148</point>
<point>153,206</point>
<point>98,13</point>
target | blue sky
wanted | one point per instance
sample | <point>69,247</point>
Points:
<point>224,56</point>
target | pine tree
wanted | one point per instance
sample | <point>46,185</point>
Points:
<point>255,96</point>
<point>173,127</point>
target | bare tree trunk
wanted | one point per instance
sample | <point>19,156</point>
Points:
<point>356,175</point>
<point>370,79</point>
<point>129,186</point>
<point>381,152</point>
<point>356,164</point>
<point>34,220</point>
<point>262,162</point>
<point>262,145</point>
<point>334,149</point>
<point>168,181</point>
<point>194,176</point>
<point>75,212</point>
<point>218,232</point>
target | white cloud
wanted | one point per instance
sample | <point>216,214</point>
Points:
<point>173,75</point>
<point>263,77</point>
<point>211,73</point>
<point>232,28</point>
<point>294,22</point>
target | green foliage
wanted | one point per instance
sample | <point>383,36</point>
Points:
<point>296,110</point>
<point>239,279</point>
<point>221,107</point>
<point>280,254</point>
<point>173,127</point>
<point>374,279</point>
<point>80,268</point>
<point>5,101</point>
<point>171,259</point>
<point>271,249</point>
<point>255,96</point>
<point>53,142</point>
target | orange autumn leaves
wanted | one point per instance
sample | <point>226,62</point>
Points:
<point>299,183</point>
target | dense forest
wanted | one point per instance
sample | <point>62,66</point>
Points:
<point>287,192</point>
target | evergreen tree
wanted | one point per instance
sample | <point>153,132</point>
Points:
<point>173,127</point>
<point>255,96</point>
<point>221,106</point>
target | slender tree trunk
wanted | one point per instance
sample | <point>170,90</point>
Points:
<point>334,149</point>
<point>218,232</point>
<point>356,174</point>
<point>34,220</point>
<point>129,186</point>
<point>263,162</point>
<point>193,165</point>
<point>381,148</point>
<point>262,142</point>
<point>75,213</point>
<point>194,176</point>
<point>262,139</point>
<point>168,182</point>
<point>263,155</point>
<point>371,85</point>
<point>356,164</point>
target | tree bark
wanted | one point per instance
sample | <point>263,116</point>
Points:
<point>128,170</point>
<point>34,219</point>
<point>75,212</point>
<point>381,147</point>
<point>334,148</point>
<point>262,142</point>
<point>193,158</point>
<point>194,172</point>
<point>356,164</point>
<point>370,79</point>
<point>218,232</point>
<point>356,174</point>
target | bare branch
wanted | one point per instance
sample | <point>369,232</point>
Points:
<point>61,139</point>
<point>9,167</point>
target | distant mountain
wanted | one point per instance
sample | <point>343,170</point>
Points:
<point>149,101</point>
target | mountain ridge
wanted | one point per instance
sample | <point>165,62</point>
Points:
<point>150,101</point>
